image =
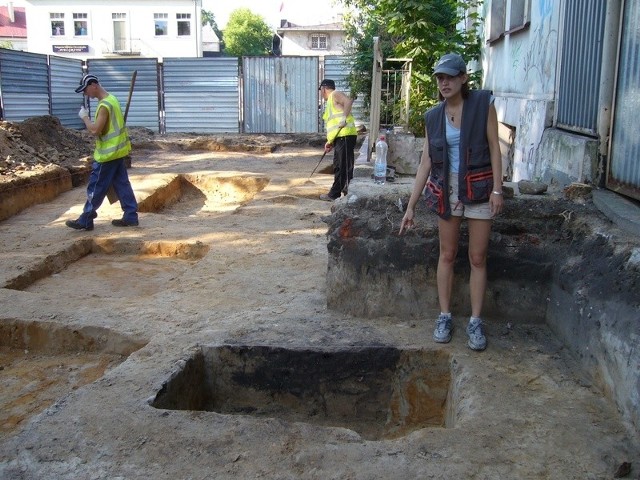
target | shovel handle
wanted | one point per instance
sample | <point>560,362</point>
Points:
<point>133,82</point>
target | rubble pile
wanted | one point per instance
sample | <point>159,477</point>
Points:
<point>40,141</point>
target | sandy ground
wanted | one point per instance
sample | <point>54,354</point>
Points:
<point>230,264</point>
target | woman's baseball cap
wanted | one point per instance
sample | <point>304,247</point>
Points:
<point>86,81</point>
<point>450,64</point>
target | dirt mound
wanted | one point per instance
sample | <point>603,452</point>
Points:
<point>28,147</point>
<point>40,141</point>
<point>229,142</point>
<point>36,142</point>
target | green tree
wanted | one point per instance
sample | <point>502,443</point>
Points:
<point>208,18</point>
<point>422,30</point>
<point>247,34</point>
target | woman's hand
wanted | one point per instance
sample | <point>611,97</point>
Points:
<point>407,221</point>
<point>496,202</point>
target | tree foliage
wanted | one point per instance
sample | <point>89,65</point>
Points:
<point>247,34</point>
<point>422,30</point>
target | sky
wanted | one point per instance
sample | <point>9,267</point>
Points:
<point>301,12</point>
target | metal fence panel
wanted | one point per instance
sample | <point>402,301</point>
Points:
<point>581,65</point>
<point>201,95</point>
<point>116,74</point>
<point>623,173</point>
<point>280,94</point>
<point>65,102</point>
<point>24,84</point>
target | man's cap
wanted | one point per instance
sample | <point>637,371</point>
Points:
<point>327,83</point>
<point>450,64</point>
<point>86,80</point>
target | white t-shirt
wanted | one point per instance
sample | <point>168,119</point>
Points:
<point>453,147</point>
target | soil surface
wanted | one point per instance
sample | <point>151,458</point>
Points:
<point>232,251</point>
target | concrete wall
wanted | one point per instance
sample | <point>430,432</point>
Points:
<point>563,157</point>
<point>139,28</point>
<point>521,70</point>
<point>404,152</point>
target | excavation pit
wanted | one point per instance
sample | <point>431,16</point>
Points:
<point>189,194</point>
<point>378,392</point>
<point>111,268</point>
<point>42,362</point>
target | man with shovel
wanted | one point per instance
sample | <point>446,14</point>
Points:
<point>341,136</point>
<point>108,169</point>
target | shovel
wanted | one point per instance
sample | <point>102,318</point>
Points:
<point>324,154</point>
<point>112,196</point>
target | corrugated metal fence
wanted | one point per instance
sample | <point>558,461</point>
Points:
<point>623,173</point>
<point>117,74</point>
<point>581,81</point>
<point>581,65</point>
<point>24,85</point>
<point>199,95</point>
<point>65,102</point>
<point>280,94</point>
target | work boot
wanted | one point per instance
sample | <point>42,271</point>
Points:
<point>326,198</point>
<point>76,225</point>
<point>121,222</point>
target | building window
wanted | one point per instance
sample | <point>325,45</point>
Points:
<point>119,21</point>
<point>496,19</point>
<point>161,21</point>
<point>184,24</point>
<point>507,16</point>
<point>318,42</point>
<point>57,24</point>
<point>80,24</point>
<point>519,14</point>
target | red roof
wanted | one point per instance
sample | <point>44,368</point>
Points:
<point>15,29</point>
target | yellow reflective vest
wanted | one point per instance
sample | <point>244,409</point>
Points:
<point>115,143</point>
<point>332,118</point>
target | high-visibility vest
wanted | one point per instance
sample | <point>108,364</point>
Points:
<point>332,118</point>
<point>115,143</point>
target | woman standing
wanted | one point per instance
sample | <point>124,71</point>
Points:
<point>461,169</point>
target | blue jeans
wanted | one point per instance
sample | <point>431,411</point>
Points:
<point>102,176</point>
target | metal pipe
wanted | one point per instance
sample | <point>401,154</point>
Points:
<point>608,72</point>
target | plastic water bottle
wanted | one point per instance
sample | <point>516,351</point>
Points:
<point>380,165</point>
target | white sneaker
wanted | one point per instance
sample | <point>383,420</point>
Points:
<point>477,340</point>
<point>444,327</point>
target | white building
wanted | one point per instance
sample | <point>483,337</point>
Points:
<point>311,40</point>
<point>97,29</point>
<point>210,41</point>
